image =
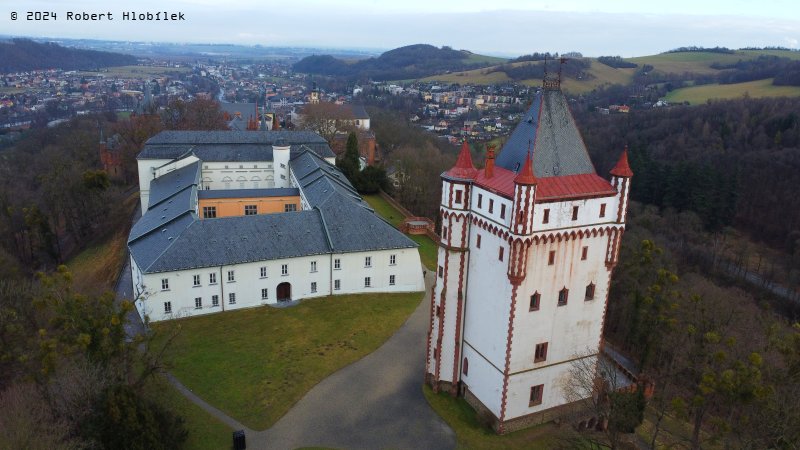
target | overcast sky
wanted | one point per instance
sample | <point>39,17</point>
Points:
<point>498,27</point>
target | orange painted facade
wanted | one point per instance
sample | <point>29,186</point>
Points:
<point>232,207</point>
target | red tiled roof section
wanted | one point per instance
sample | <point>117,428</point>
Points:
<point>622,169</point>
<point>464,169</point>
<point>567,186</point>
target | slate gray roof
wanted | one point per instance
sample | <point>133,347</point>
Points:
<point>248,193</point>
<point>173,182</point>
<point>171,236</point>
<point>558,148</point>
<point>357,111</point>
<point>231,145</point>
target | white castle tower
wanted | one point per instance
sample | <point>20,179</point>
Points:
<point>528,245</point>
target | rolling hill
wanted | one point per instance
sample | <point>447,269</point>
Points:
<point>25,54</point>
<point>409,62</point>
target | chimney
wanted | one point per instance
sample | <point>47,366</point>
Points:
<point>489,165</point>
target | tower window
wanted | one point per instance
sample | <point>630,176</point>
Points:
<point>562,296</point>
<point>491,205</point>
<point>541,352</point>
<point>535,298</point>
<point>584,253</point>
<point>465,367</point>
<point>480,200</point>
<point>536,395</point>
<point>478,241</point>
<point>574,213</point>
<point>603,210</point>
<point>444,232</point>
<point>551,258</point>
<point>503,211</point>
<point>441,271</point>
<point>546,216</point>
<point>589,291</point>
<point>500,254</point>
<point>458,196</point>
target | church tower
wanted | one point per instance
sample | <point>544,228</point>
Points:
<point>528,245</point>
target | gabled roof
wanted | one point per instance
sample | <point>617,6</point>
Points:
<point>548,126</point>
<point>231,145</point>
<point>173,182</point>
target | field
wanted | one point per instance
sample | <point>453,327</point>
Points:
<point>700,62</point>
<point>484,59</point>
<point>136,71</point>
<point>254,364</point>
<point>760,88</point>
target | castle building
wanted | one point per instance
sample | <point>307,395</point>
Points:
<point>237,219</point>
<point>528,245</point>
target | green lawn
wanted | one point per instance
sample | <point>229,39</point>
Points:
<point>254,364</point>
<point>427,248</point>
<point>205,431</point>
<point>470,434</point>
<point>759,88</point>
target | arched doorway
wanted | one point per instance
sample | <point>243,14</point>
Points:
<point>284,292</point>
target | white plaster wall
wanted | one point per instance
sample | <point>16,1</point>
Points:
<point>567,329</point>
<point>280,157</point>
<point>483,379</point>
<point>497,202</point>
<point>488,299</point>
<point>213,174</point>
<point>588,213</point>
<point>519,390</point>
<point>248,282</point>
<point>146,167</point>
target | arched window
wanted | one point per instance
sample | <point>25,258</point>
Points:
<point>227,181</point>
<point>241,181</point>
<point>562,296</point>
<point>590,291</point>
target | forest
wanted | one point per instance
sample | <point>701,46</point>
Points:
<point>24,54</point>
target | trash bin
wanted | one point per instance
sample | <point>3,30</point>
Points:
<point>239,440</point>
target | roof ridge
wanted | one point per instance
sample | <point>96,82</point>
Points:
<point>325,229</point>
<point>171,243</point>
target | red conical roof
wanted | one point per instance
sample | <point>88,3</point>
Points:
<point>622,169</point>
<point>464,169</point>
<point>526,176</point>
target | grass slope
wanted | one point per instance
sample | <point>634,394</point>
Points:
<point>254,364</point>
<point>759,88</point>
<point>428,250</point>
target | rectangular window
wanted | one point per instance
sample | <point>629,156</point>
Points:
<point>491,205</point>
<point>337,285</point>
<point>503,211</point>
<point>551,259</point>
<point>313,287</point>
<point>263,272</point>
<point>458,196</point>
<point>562,296</point>
<point>167,307</point>
<point>209,212</point>
<point>574,213</point>
<point>195,280</point>
<point>165,284</point>
<point>232,298</point>
<point>589,291</point>
<point>289,207</point>
<point>478,241</point>
<point>313,266</point>
<point>541,352</point>
<point>391,280</point>
<point>337,263</point>
<point>603,210</point>
<point>500,254</point>
<point>198,303</point>
<point>368,261</point>
<point>535,298</point>
<point>444,233</point>
<point>212,278</point>
<point>392,260</point>
<point>480,200</point>
<point>536,395</point>
<point>264,293</point>
<point>546,216</point>
<point>284,269</point>
<point>441,271</point>
<point>250,210</point>
<point>231,276</point>
<point>584,253</point>
<point>367,282</point>
<point>215,300</point>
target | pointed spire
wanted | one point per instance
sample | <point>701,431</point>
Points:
<point>622,169</point>
<point>464,168</point>
<point>526,176</point>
